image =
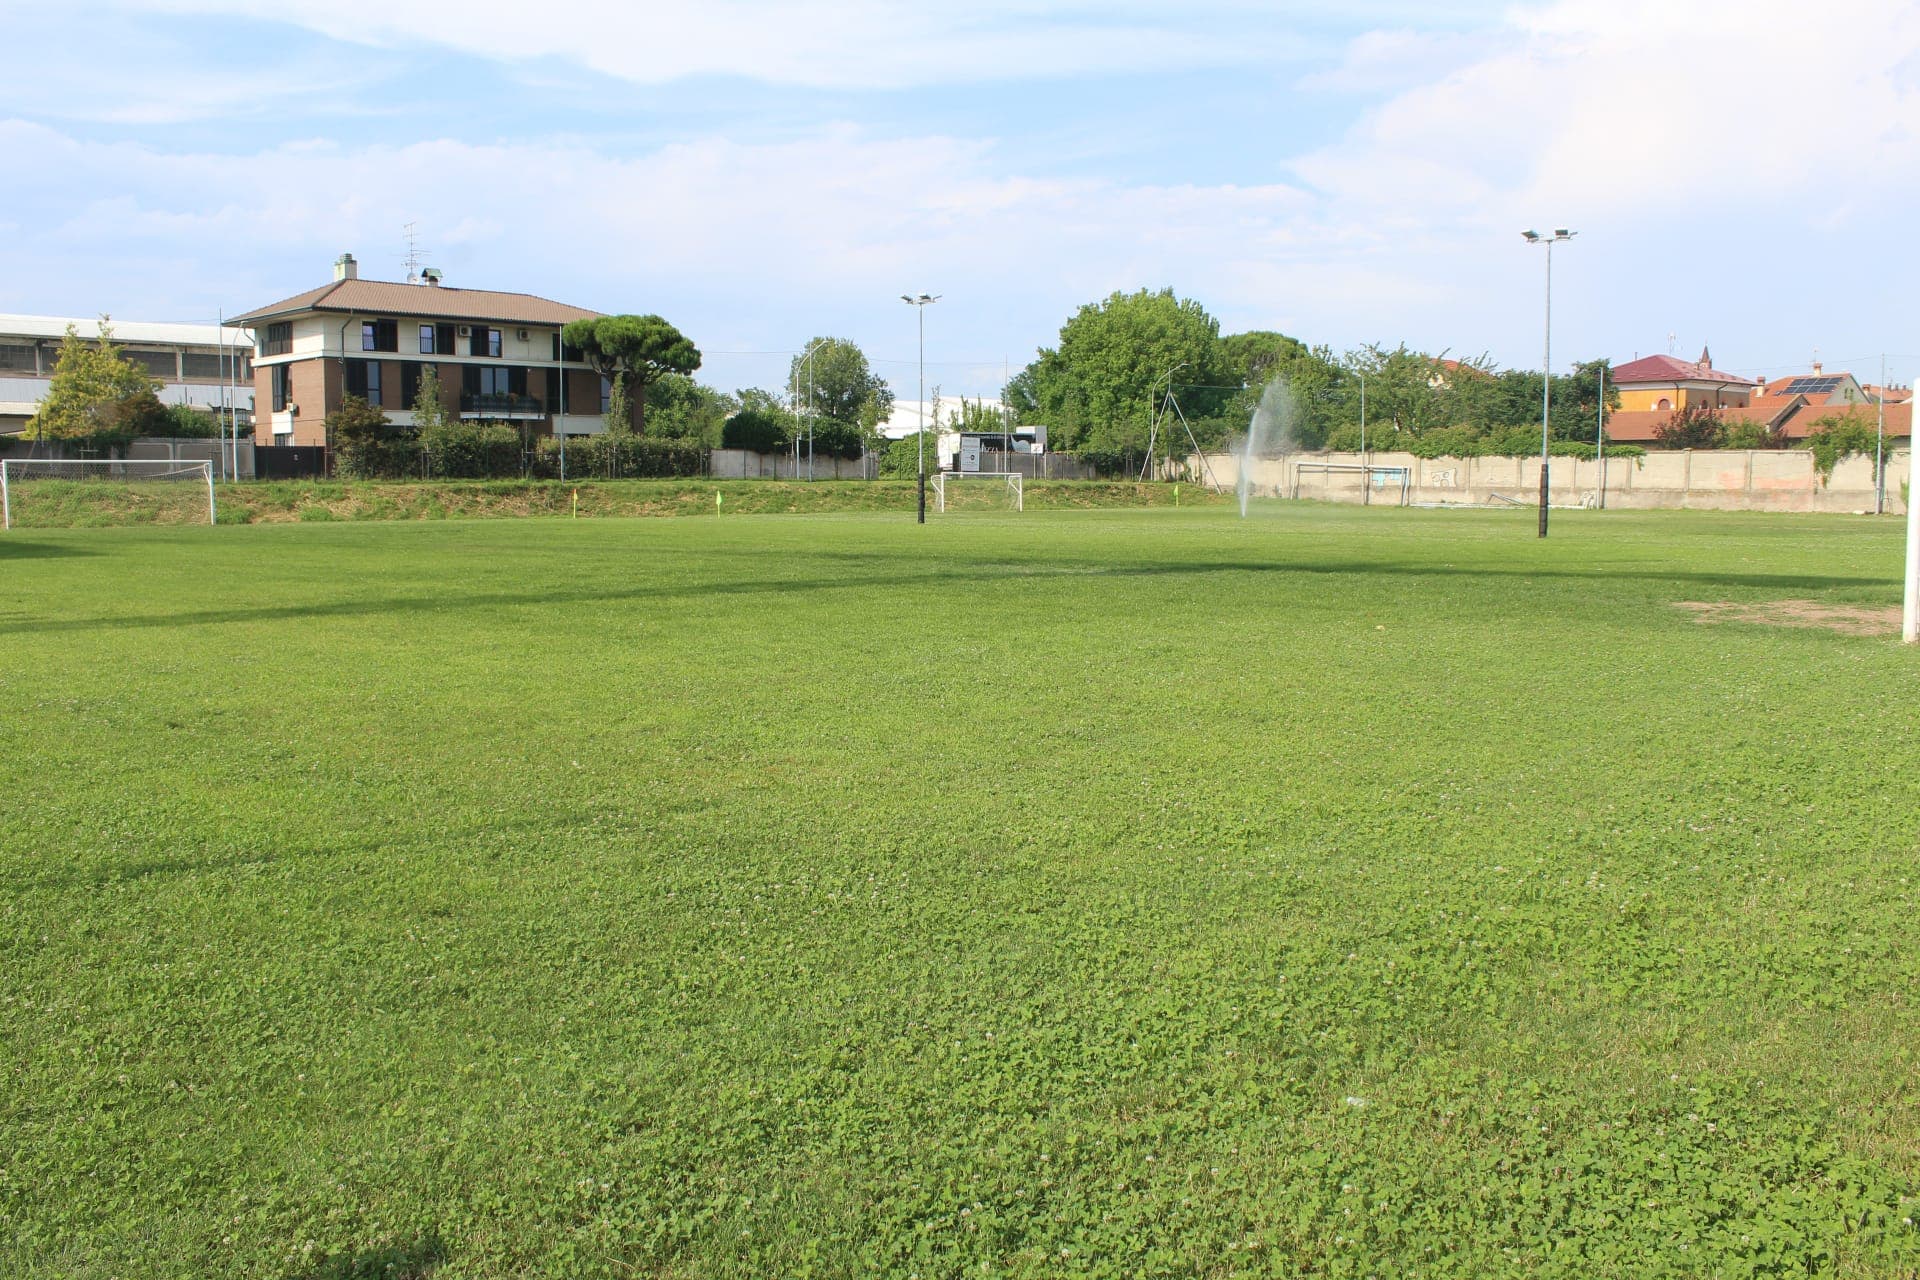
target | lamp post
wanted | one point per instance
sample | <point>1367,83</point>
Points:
<point>804,419</point>
<point>919,303</point>
<point>1546,364</point>
<point>1154,417</point>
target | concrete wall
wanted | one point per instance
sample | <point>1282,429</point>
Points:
<point>742,464</point>
<point>1717,480</point>
<point>151,448</point>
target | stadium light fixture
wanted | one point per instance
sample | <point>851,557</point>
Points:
<point>1546,363</point>
<point>920,302</point>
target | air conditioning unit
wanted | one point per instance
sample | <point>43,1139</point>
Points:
<point>523,335</point>
<point>466,331</point>
<point>294,409</point>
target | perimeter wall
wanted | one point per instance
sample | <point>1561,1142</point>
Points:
<point>1717,479</point>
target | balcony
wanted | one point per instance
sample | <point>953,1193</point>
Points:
<point>501,406</point>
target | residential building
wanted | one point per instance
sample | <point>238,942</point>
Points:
<point>1664,384</point>
<point>498,356</point>
<point>1821,387</point>
<point>207,366</point>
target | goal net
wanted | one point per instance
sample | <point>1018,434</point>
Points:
<point>56,492</point>
<point>978,490</point>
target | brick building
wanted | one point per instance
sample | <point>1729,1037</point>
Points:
<point>498,356</point>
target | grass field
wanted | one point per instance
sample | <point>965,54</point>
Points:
<point>1338,892</point>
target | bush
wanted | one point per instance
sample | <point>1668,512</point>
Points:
<point>754,430</point>
<point>367,446</point>
<point>472,451</point>
<point>186,422</point>
<point>621,454</point>
<point>1838,435</point>
<point>1695,427</point>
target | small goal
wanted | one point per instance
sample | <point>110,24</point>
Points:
<point>50,492</point>
<point>1007,486</point>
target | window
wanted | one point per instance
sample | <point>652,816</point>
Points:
<point>486,342</point>
<point>205,366</point>
<point>553,390</point>
<point>427,334</point>
<point>496,382</point>
<point>282,386</point>
<point>443,339</point>
<point>16,358</point>
<point>363,380</point>
<point>379,335</point>
<point>279,339</point>
<point>606,394</point>
<point>410,382</point>
<point>158,364</point>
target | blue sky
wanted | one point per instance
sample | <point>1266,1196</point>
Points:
<point>1741,174</point>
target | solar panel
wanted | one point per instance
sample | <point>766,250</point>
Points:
<point>1811,386</point>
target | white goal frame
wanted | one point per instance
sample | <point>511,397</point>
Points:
<point>110,469</point>
<point>1014,480</point>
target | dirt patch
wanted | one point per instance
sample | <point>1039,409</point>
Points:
<point>1847,619</point>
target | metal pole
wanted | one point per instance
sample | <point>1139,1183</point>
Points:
<point>1600,436</point>
<point>1366,474</point>
<point>810,351</point>
<point>921,436</point>
<point>1546,392</point>
<point>1880,444</point>
<point>1910,619</point>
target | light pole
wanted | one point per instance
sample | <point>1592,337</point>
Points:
<point>1366,470</point>
<point>1546,364</point>
<point>804,420</point>
<point>1154,417</point>
<point>919,303</point>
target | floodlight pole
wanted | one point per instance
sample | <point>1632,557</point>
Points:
<point>1546,363</point>
<point>1880,444</point>
<point>1910,615</point>
<point>1600,435</point>
<point>1366,471</point>
<point>919,303</point>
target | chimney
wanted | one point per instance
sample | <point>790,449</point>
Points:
<point>430,275</point>
<point>345,268</point>
<point>1816,366</point>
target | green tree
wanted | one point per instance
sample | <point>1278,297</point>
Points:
<point>635,352</point>
<point>429,408</point>
<point>366,444</point>
<point>184,422</point>
<point>681,409</point>
<point>97,394</point>
<point>1698,426</point>
<point>836,383</point>
<point>1098,390</point>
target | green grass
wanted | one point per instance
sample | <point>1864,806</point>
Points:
<point>50,504</point>
<point>1340,892</point>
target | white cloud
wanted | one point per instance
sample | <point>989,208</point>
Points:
<point>812,43</point>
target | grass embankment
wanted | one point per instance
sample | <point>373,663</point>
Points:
<point>1338,893</point>
<point>66,504</point>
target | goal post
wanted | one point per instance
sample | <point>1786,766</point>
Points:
<point>120,490</point>
<point>1011,483</point>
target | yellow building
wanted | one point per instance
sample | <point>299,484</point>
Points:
<point>1666,384</point>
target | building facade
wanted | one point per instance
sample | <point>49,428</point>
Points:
<point>1666,384</point>
<point>498,357</point>
<point>203,365</point>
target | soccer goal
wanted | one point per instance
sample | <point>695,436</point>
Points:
<point>1007,486</point>
<point>47,492</point>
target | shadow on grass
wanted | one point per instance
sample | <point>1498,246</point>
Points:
<point>14,547</point>
<point>411,1261</point>
<point>1010,570</point>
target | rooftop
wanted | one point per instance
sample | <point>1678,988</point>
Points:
<point>388,297</point>
<point>137,331</point>
<point>1664,369</point>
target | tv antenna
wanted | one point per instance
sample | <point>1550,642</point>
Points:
<point>1673,342</point>
<point>415,255</point>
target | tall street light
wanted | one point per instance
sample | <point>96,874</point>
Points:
<point>1546,364</point>
<point>919,303</point>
